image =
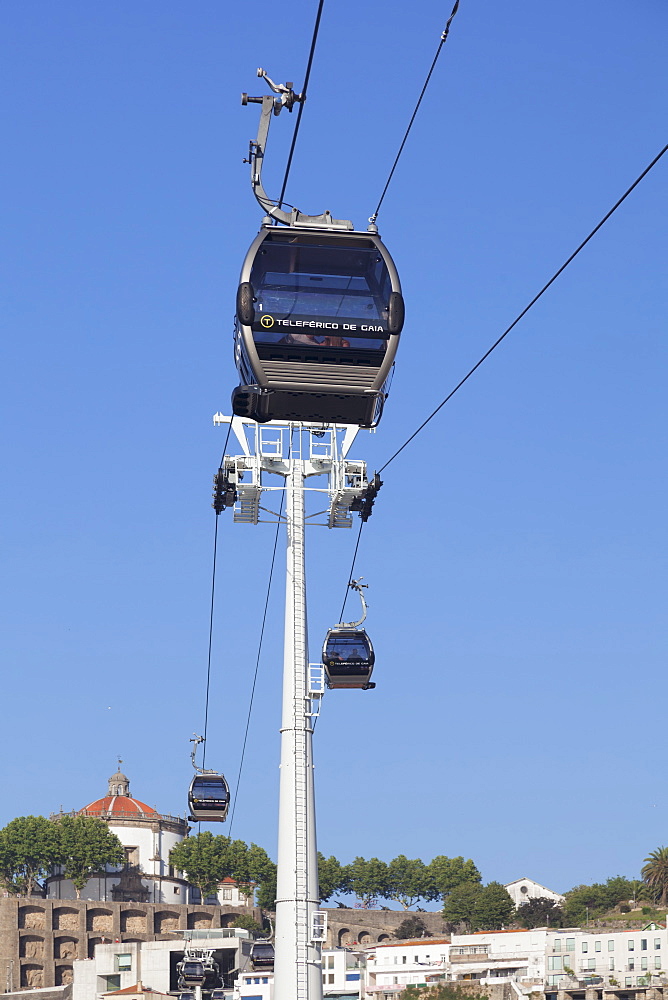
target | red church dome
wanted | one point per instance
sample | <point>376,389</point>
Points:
<point>118,801</point>
<point>117,805</point>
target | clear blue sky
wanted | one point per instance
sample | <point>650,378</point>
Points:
<point>517,553</point>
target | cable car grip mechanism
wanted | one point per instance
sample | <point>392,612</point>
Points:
<point>359,587</point>
<point>273,106</point>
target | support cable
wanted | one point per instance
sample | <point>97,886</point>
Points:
<point>213,593</point>
<point>352,570</point>
<point>527,307</point>
<point>444,35</point>
<point>257,663</point>
<point>309,64</point>
<point>208,665</point>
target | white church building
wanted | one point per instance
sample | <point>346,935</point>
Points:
<point>147,837</point>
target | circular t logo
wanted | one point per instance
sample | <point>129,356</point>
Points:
<point>267,322</point>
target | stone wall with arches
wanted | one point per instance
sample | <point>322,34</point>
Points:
<point>41,938</point>
<point>363,928</point>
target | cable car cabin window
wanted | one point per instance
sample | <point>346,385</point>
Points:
<point>346,654</point>
<point>319,295</point>
<point>214,791</point>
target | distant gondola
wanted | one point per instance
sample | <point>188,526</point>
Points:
<point>208,798</point>
<point>262,955</point>
<point>348,657</point>
<point>347,653</point>
<point>191,972</point>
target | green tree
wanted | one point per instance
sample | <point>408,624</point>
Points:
<point>594,900</point>
<point>459,906</point>
<point>367,879</point>
<point>331,876</point>
<point>87,846</point>
<point>446,873</point>
<point>202,860</point>
<point>540,912</point>
<point>411,927</point>
<point>655,874</point>
<point>407,881</point>
<point>29,848</point>
<point>493,908</point>
<point>265,896</point>
<point>246,921</point>
<point>248,866</point>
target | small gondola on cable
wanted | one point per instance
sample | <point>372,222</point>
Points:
<point>209,793</point>
<point>347,653</point>
<point>319,309</point>
<point>262,955</point>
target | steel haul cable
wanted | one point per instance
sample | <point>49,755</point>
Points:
<point>528,306</point>
<point>307,77</point>
<point>257,662</point>
<point>213,593</point>
<point>506,332</point>
<point>444,35</point>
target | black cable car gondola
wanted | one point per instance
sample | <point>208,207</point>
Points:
<point>209,793</point>
<point>347,653</point>
<point>262,955</point>
<point>191,972</point>
<point>319,311</point>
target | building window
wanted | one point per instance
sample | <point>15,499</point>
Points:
<point>226,894</point>
<point>643,962</point>
<point>112,982</point>
<point>611,944</point>
<point>177,890</point>
<point>643,944</point>
<point>632,945</point>
<point>611,964</point>
<point>585,947</point>
<point>555,962</point>
<point>657,961</point>
<point>131,855</point>
<point>591,963</point>
<point>628,981</point>
<point>331,978</point>
<point>124,963</point>
<point>570,944</point>
<point>597,946</point>
<point>632,964</point>
<point>657,944</point>
<point>557,945</point>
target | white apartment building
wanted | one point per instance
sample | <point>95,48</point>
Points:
<point>390,968</point>
<point>615,958</point>
<point>517,956</point>
<point>531,960</point>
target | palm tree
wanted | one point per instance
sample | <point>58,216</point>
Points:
<point>655,874</point>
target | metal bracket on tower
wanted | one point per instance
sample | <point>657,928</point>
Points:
<point>266,450</point>
<point>273,106</point>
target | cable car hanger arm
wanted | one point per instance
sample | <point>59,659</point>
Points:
<point>196,740</point>
<point>274,105</point>
<point>359,587</point>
